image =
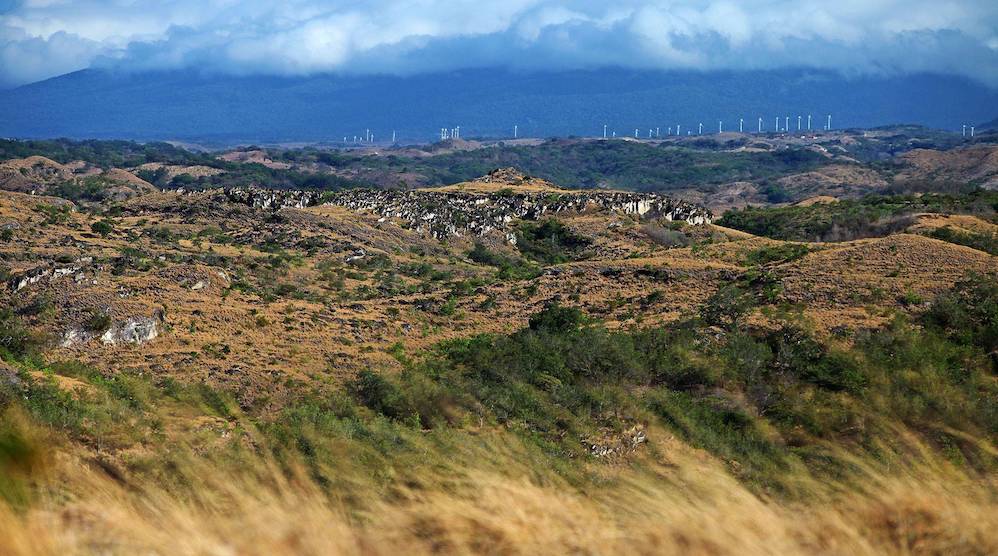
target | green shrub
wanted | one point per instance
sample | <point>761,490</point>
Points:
<point>102,227</point>
<point>549,242</point>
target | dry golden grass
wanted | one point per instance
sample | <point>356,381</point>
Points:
<point>686,505</point>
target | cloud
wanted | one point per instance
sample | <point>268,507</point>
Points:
<point>44,38</point>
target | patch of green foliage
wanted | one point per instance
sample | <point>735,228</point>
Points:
<point>549,242</point>
<point>782,253</point>
<point>871,216</point>
<point>510,268</point>
<point>103,227</point>
<point>982,241</point>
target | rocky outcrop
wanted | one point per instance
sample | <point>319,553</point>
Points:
<point>448,213</point>
<point>137,330</point>
<point>50,273</point>
<point>453,213</point>
<point>258,197</point>
<point>133,330</point>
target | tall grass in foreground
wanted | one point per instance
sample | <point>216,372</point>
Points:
<point>676,500</point>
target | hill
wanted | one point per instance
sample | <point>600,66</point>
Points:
<point>502,358</point>
<point>485,103</point>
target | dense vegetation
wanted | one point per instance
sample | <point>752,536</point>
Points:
<point>982,241</point>
<point>549,242</point>
<point>106,154</point>
<point>586,164</point>
<point>583,164</point>
<point>871,216</point>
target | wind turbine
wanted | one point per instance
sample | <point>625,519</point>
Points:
<point>604,131</point>
<point>760,125</point>
<point>635,133</point>
<point>677,129</point>
<point>964,130</point>
<point>393,136</point>
<point>971,132</point>
<point>798,122</point>
<point>777,124</point>
<point>516,131</point>
<point>741,125</point>
<point>829,128</point>
<point>720,128</point>
<point>786,124</point>
<point>700,129</point>
<point>656,133</point>
<point>809,122</point>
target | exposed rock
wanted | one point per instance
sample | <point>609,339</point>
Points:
<point>452,213</point>
<point>455,213</point>
<point>35,275</point>
<point>258,197</point>
<point>137,330</point>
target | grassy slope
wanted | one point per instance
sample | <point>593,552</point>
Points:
<point>526,442</point>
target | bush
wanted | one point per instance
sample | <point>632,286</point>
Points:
<point>549,242</point>
<point>510,268</point>
<point>98,322</point>
<point>102,227</point>
<point>665,237</point>
<point>782,253</point>
<point>557,319</point>
<point>15,338</point>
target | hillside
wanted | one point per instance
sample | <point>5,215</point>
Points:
<point>381,370</point>
<point>735,171</point>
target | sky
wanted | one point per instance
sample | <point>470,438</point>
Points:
<point>45,38</point>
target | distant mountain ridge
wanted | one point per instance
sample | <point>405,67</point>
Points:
<point>186,105</point>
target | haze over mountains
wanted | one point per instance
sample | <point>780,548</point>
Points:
<point>211,107</point>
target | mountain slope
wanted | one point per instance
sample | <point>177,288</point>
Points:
<point>187,105</point>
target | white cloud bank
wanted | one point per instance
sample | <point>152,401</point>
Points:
<point>45,38</point>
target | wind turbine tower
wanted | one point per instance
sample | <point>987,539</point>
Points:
<point>798,122</point>
<point>604,131</point>
<point>393,136</point>
<point>760,125</point>
<point>964,130</point>
<point>635,133</point>
<point>777,124</point>
<point>516,131</point>
<point>677,129</point>
<point>700,129</point>
<point>741,125</point>
<point>720,127</point>
<point>971,132</point>
<point>809,122</point>
<point>829,125</point>
<point>786,124</point>
<point>656,133</point>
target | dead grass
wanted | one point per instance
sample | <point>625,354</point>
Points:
<point>685,504</point>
